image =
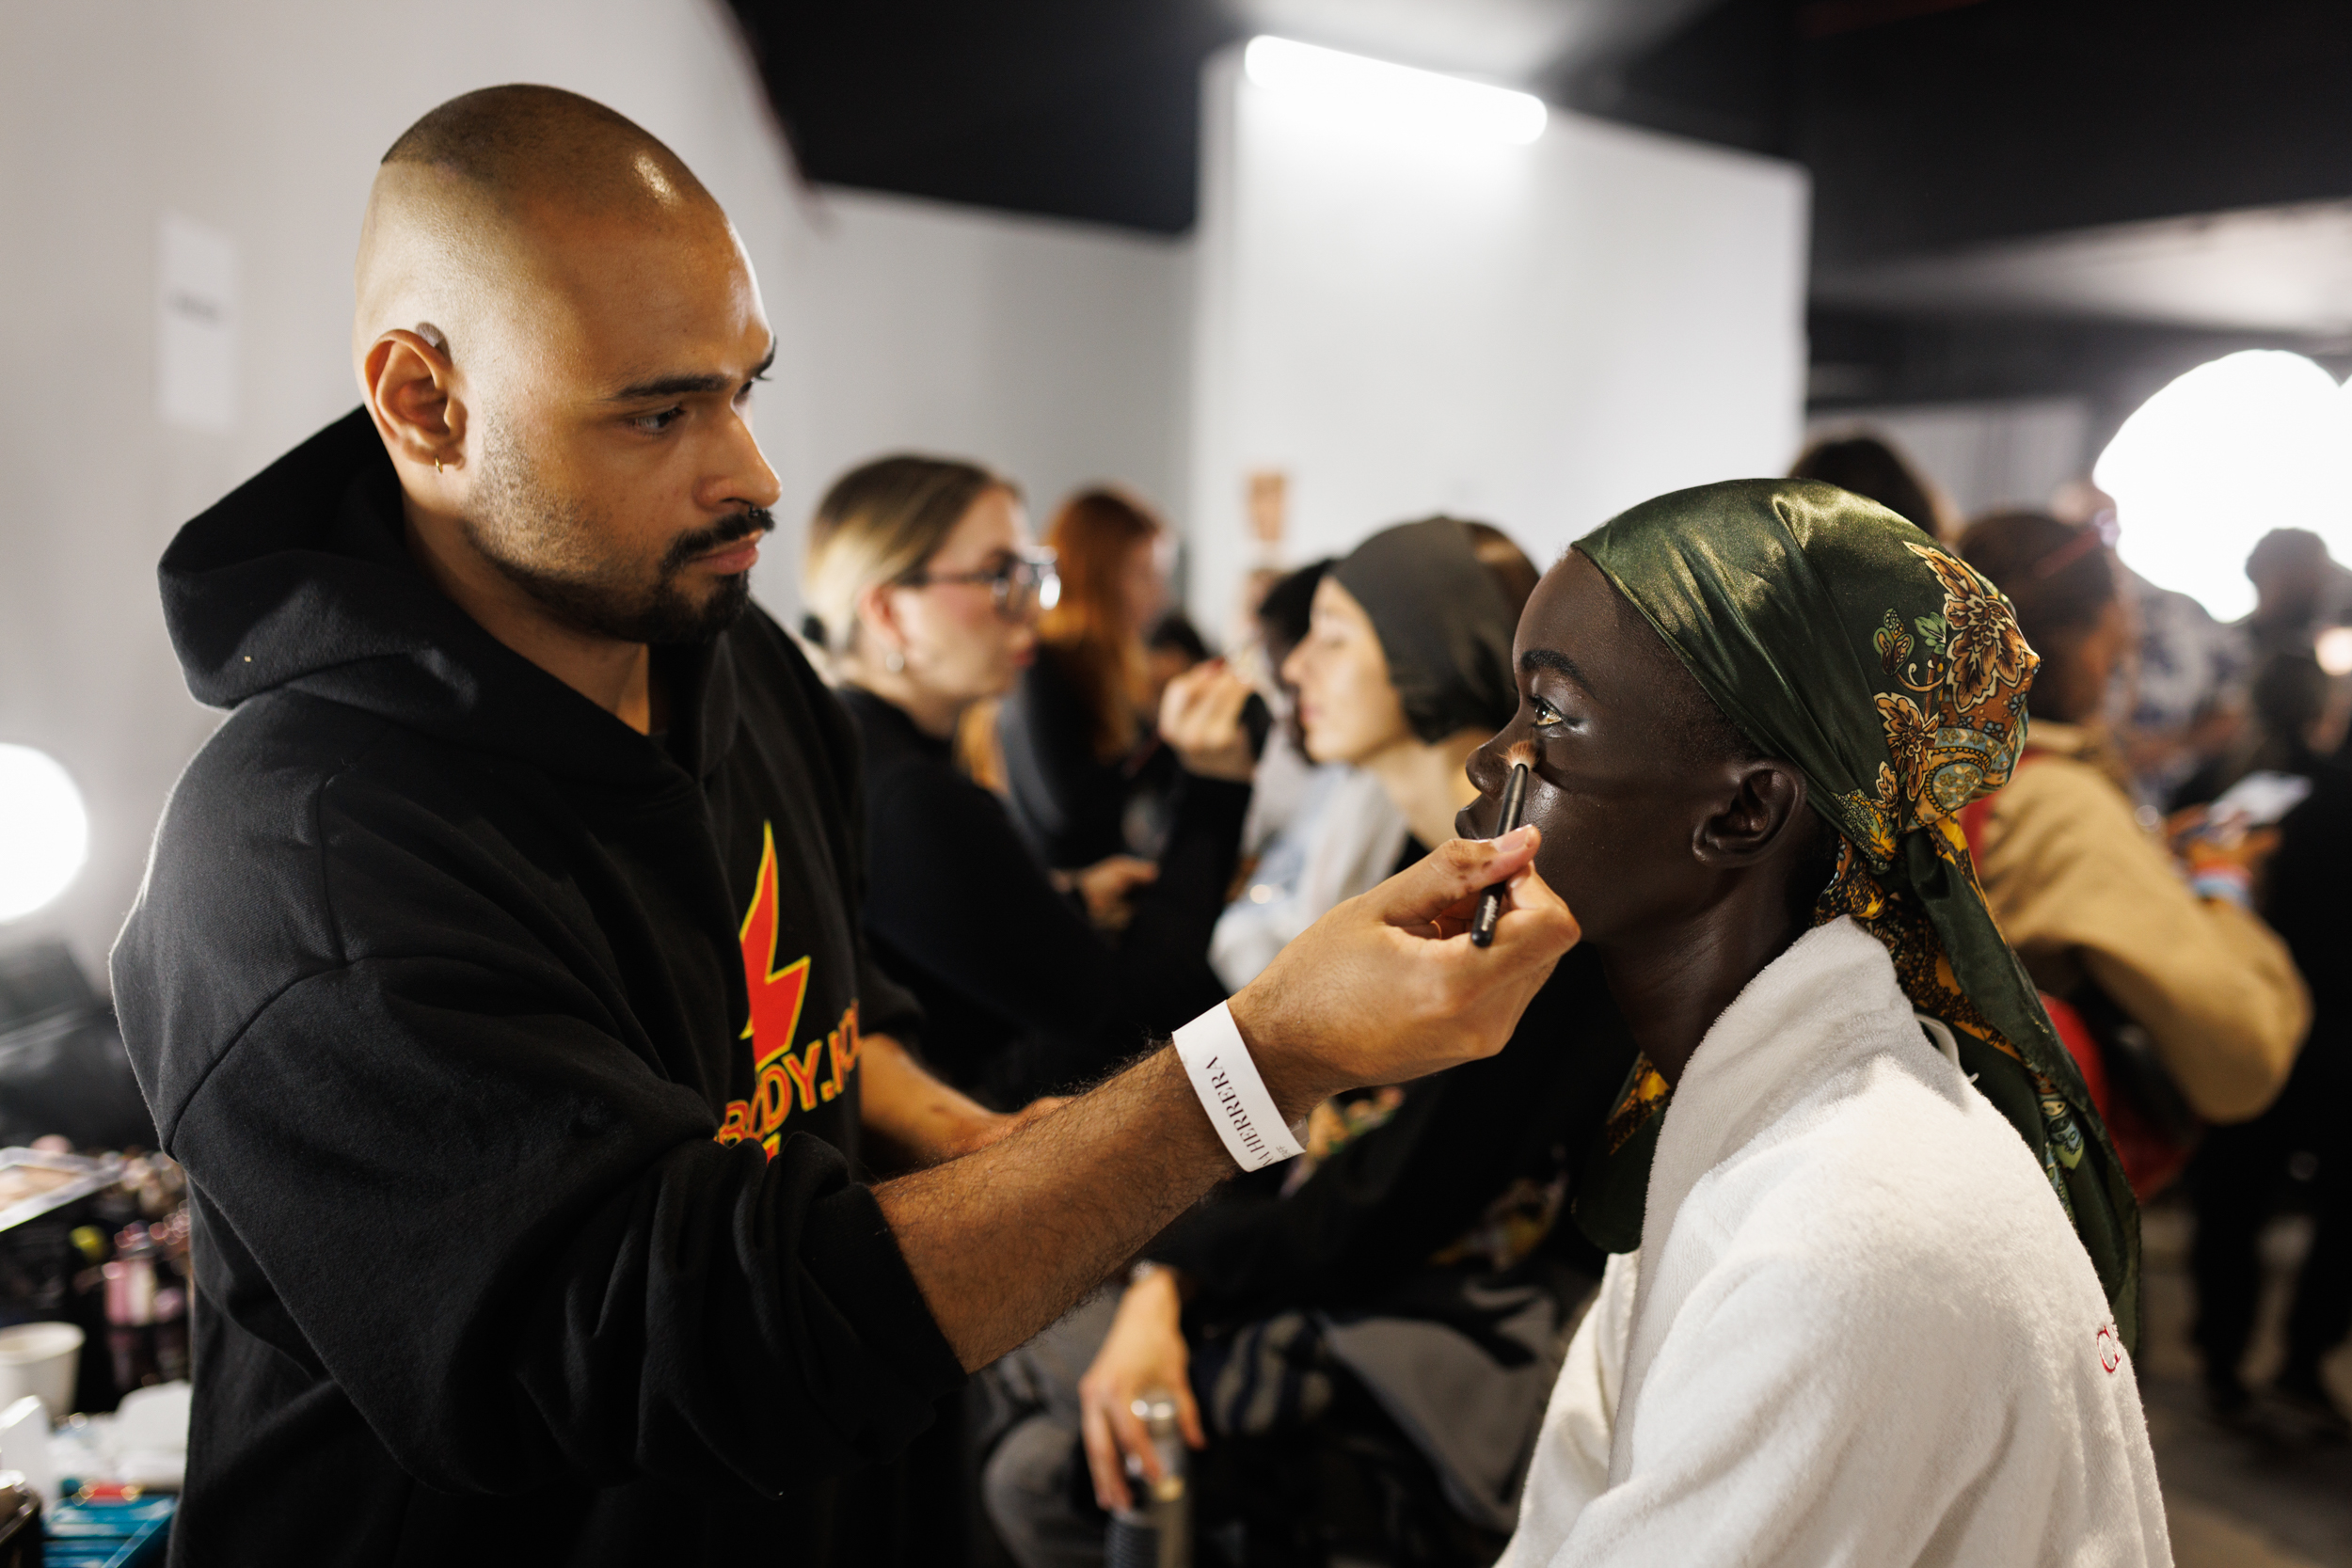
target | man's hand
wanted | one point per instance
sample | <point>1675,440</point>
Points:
<point>1387,987</point>
<point>1145,1350</point>
<point>1383,989</point>
<point>1107,884</point>
<point>1200,718</point>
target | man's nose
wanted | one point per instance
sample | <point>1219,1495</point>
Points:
<point>745,476</point>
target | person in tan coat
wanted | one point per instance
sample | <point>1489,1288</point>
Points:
<point>2093,902</point>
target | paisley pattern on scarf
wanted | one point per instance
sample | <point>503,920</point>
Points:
<point>1954,730</point>
<point>1838,637</point>
<point>1642,1100</point>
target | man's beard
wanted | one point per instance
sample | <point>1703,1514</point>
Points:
<point>549,547</point>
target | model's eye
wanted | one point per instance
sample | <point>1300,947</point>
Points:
<point>654,424</point>
<point>1545,715</point>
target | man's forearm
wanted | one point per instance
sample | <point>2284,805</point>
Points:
<point>1004,1241</point>
<point>1384,989</point>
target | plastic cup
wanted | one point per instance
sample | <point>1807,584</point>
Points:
<point>24,1447</point>
<point>40,1359</point>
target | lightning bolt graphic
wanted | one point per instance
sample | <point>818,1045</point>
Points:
<point>776,993</point>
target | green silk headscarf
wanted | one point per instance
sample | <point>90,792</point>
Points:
<point>1838,637</point>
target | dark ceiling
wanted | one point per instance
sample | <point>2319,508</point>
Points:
<point>1082,109</point>
<point>1927,124</point>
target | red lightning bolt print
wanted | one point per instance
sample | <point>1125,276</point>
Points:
<point>776,993</point>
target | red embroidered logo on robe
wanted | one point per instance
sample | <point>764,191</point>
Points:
<point>790,1077</point>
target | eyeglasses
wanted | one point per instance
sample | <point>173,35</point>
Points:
<point>1015,582</point>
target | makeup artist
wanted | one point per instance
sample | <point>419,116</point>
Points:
<point>497,977</point>
<point>922,582</point>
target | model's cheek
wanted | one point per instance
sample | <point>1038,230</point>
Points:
<point>1582,855</point>
<point>1552,812</point>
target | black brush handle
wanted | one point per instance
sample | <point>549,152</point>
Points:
<point>1490,902</point>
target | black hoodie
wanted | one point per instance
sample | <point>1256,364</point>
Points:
<point>513,1058</point>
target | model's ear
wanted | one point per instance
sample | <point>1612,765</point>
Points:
<point>1764,800</point>
<point>412,395</point>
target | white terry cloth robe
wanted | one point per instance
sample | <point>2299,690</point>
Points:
<point>1860,1329</point>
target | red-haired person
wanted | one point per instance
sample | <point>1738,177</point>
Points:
<point>1084,771</point>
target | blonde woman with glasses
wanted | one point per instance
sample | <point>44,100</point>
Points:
<point>924,591</point>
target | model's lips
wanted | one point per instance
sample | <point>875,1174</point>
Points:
<point>729,560</point>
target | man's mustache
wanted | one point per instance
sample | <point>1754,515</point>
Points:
<point>748,524</point>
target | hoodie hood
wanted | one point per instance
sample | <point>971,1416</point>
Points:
<point>300,581</point>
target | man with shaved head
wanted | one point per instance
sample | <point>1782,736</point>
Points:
<point>497,977</point>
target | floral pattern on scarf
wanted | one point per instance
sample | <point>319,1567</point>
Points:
<point>1955,730</point>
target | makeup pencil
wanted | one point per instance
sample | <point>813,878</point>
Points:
<point>1514,806</point>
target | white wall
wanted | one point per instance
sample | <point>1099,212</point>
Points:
<point>1980,456</point>
<point>1538,336</point>
<point>1051,351</point>
<point>1541,337</point>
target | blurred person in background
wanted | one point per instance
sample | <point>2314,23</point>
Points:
<point>1084,772</point>
<point>1406,667</point>
<point>2287,730</point>
<point>1504,561</point>
<point>924,587</point>
<point>2175,699</point>
<point>1870,467</point>
<point>2296,1152</point>
<point>1354,832</point>
<point>1367,1333</point>
<point>1341,835</point>
<point>1274,618</point>
<point>2299,591</point>
<point>2181,699</point>
<point>1174,646</point>
<point>2188,993</point>
<point>2244,1175</point>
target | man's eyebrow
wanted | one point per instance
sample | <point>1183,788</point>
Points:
<point>683,386</point>
<point>1553,659</point>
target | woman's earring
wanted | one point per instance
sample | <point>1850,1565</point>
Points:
<point>893,661</point>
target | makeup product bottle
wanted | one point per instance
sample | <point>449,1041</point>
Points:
<point>1155,1531</point>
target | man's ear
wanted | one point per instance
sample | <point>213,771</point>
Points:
<point>412,396</point>
<point>1765,799</point>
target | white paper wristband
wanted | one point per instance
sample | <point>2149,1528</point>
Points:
<point>1231,1092</point>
